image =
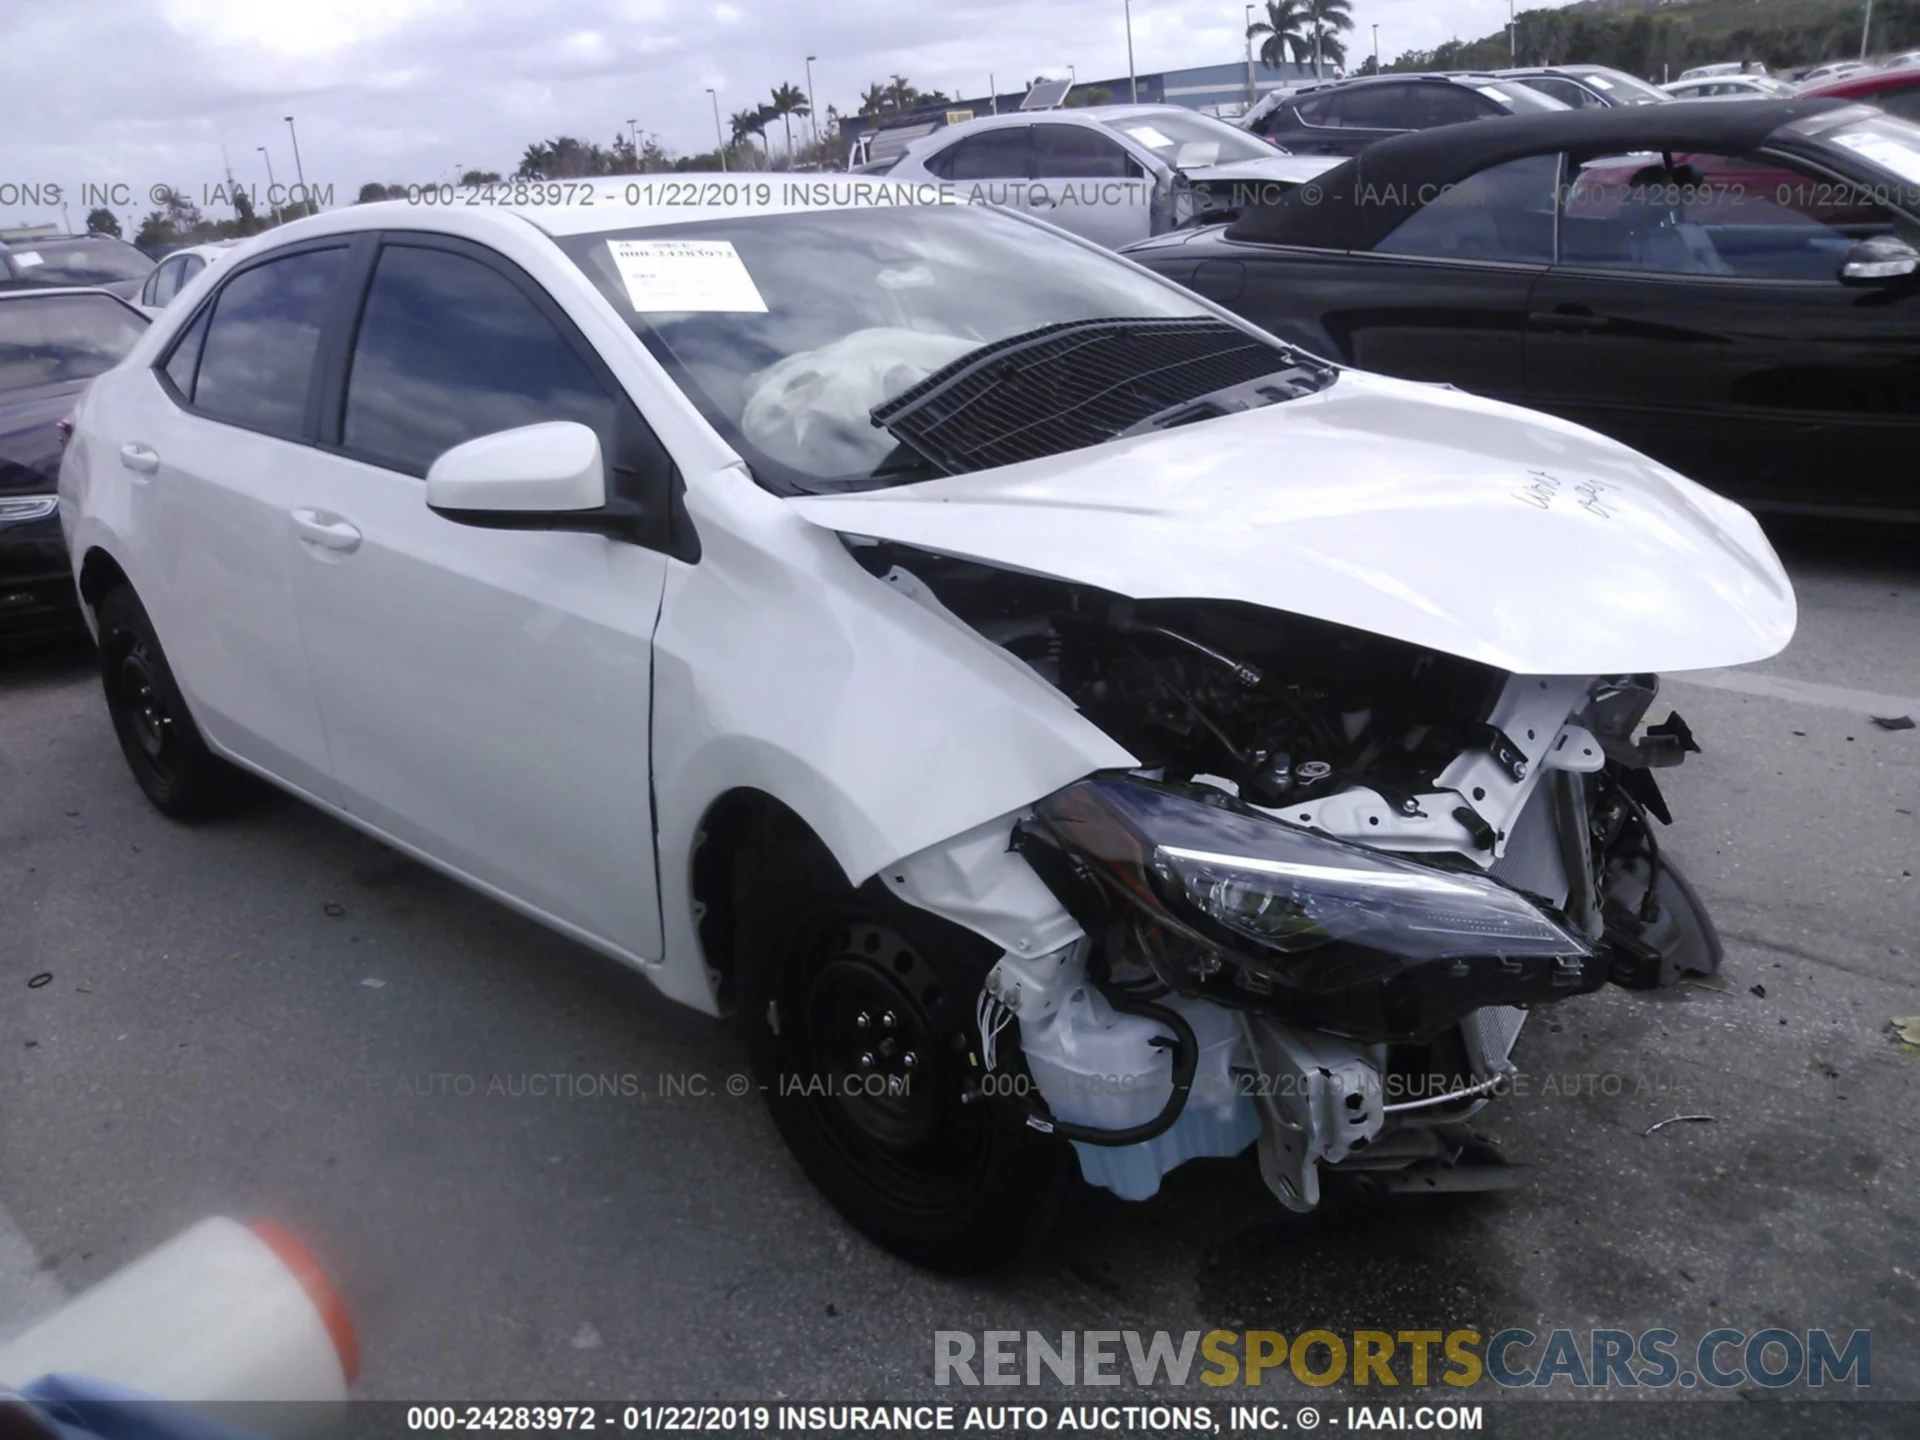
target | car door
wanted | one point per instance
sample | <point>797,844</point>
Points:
<point>1442,297</point>
<point>1087,182</point>
<point>215,444</point>
<point>987,166</point>
<point>1698,315</point>
<point>485,692</point>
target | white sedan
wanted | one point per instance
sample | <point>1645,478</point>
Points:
<point>1729,87</point>
<point>177,270</point>
<point>1043,707</point>
<point>1111,173</point>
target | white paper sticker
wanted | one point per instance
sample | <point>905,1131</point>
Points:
<point>702,276</point>
<point>1884,150</point>
<point>1492,94</point>
<point>1149,137</point>
<point>24,258</point>
<point>1600,80</point>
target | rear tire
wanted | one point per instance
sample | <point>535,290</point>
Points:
<point>845,993</point>
<point>169,759</point>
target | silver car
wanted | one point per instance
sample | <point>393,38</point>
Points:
<point>1113,174</point>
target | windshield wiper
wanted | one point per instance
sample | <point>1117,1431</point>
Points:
<point>1067,386</point>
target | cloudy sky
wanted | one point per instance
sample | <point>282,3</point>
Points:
<point>146,92</point>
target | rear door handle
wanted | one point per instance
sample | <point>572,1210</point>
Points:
<point>326,532</point>
<point>1568,319</point>
<point>141,459</point>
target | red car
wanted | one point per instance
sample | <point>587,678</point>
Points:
<point>1895,91</point>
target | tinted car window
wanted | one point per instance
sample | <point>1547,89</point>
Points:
<point>1070,151</point>
<point>162,284</point>
<point>1565,91</point>
<point>450,349</point>
<point>1748,216</point>
<point>1374,107</point>
<point>1904,103</point>
<point>1503,213</point>
<point>185,360</point>
<point>47,339</point>
<point>1317,110</point>
<point>1452,104</point>
<point>257,361</point>
<point>990,155</point>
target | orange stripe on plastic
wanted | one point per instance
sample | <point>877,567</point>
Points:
<point>326,1300</point>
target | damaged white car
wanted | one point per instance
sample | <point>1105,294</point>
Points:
<point>1069,727</point>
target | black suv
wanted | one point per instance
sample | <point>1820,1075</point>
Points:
<point>1346,116</point>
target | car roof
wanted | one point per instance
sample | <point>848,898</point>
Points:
<point>1354,206</point>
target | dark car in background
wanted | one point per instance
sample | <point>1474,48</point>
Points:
<point>1346,116</point>
<point>1582,87</point>
<point>99,261</point>
<point>1732,289</point>
<point>52,343</point>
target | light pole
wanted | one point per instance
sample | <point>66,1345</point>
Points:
<point>1376,49</point>
<point>272,209</point>
<point>719,139</point>
<point>1865,26</point>
<point>1249,56</point>
<point>993,92</point>
<point>299,172</point>
<point>813,115</point>
<point>633,139</point>
<point>1513,40</point>
<point>1133,82</point>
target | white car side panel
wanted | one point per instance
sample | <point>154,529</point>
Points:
<point>782,666</point>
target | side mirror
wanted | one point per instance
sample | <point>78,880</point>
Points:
<point>1879,259</point>
<point>520,476</point>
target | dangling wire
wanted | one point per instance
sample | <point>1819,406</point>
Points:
<point>992,1017</point>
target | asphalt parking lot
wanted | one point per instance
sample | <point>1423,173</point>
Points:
<point>273,1015</point>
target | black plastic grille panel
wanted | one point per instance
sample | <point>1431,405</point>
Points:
<point>1068,386</point>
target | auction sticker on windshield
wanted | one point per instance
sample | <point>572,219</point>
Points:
<point>1149,137</point>
<point>686,276</point>
<point>1885,151</point>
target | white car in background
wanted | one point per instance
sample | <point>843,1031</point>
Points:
<point>1729,87</point>
<point>1113,174</point>
<point>1832,70</point>
<point>1042,706</point>
<point>176,270</point>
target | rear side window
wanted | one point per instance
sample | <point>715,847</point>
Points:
<point>990,155</point>
<point>1374,107</point>
<point>256,365</point>
<point>184,362</point>
<point>449,350</point>
<point>1503,213</point>
<point>1450,105</point>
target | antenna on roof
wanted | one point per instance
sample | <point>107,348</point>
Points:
<point>1046,95</point>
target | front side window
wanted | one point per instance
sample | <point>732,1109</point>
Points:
<point>164,283</point>
<point>256,364</point>
<point>450,349</point>
<point>1753,217</point>
<point>1066,152</point>
<point>1502,213</point>
<point>48,339</point>
<point>788,330</point>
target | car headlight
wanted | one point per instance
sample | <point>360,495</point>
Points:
<point>17,509</point>
<point>1302,908</point>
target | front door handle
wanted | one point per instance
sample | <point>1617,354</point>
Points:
<point>1566,318</point>
<point>141,459</point>
<point>326,532</point>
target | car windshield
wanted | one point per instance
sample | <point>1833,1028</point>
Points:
<point>1883,141</point>
<point>787,330</point>
<point>47,339</point>
<point>1517,97</point>
<point>1622,88</point>
<point>100,261</point>
<point>1187,141</point>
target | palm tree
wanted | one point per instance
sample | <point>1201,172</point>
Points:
<point>1285,29</point>
<point>1325,17</point>
<point>789,101</point>
<point>874,99</point>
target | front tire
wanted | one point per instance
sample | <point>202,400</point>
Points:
<point>859,1016</point>
<point>172,764</point>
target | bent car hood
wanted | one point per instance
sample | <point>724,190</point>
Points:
<point>1455,523</point>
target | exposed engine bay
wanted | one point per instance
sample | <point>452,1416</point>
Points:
<point>1318,911</point>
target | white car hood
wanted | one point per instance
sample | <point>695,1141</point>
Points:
<point>1455,523</point>
<point>1296,169</point>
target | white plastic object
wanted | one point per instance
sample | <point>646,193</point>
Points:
<point>1095,1065</point>
<point>221,1312</point>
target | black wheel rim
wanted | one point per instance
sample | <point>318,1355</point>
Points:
<point>878,1047</point>
<point>146,719</point>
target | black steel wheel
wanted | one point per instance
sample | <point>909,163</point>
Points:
<point>169,760</point>
<point>859,1010</point>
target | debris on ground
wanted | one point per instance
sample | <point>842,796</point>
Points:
<point>585,1338</point>
<point>1672,1120</point>
<point>1907,1027</point>
<point>45,977</point>
<point>1894,722</point>
<point>334,908</point>
<point>373,984</point>
<point>1759,990</point>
